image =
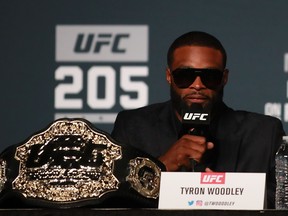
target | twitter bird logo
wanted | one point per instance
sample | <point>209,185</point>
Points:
<point>190,203</point>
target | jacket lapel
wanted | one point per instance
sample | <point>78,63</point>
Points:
<point>165,128</point>
<point>228,140</point>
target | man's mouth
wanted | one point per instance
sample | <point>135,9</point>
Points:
<point>195,98</point>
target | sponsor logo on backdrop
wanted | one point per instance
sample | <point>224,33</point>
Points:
<point>101,69</point>
<point>279,109</point>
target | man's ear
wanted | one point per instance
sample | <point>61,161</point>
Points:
<point>168,75</point>
<point>225,76</point>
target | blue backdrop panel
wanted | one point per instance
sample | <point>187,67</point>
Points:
<point>93,58</point>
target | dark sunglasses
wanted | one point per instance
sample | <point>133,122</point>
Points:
<point>184,77</point>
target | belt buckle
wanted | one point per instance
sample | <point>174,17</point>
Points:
<point>54,168</point>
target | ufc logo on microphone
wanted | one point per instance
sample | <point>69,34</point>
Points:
<point>212,178</point>
<point>194,116</point>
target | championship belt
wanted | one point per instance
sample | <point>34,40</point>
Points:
<point>73,164</point>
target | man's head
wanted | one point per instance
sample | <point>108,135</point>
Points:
<point>196,38</point>
<point>196,70</point>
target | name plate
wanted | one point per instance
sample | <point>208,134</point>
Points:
<point>195,190</point>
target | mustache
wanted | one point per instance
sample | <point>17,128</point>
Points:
<point>198,93</point>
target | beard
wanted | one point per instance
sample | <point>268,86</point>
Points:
<point>180,104</point>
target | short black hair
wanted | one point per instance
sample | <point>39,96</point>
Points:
<point>196,38</point>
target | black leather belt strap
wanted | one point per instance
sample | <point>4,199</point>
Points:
<point>73,164</point>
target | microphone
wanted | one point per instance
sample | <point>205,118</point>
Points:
<point>196,118</point>
<point>195,121</point>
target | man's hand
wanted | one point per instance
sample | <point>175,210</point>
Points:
<point>186,148</point>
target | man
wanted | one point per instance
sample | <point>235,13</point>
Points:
<point>236,141</point>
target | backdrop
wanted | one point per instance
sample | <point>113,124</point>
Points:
<point>93,58</point>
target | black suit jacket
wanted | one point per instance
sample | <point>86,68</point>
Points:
<point>243,141</point>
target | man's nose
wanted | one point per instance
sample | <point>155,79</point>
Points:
<point>197,84</point>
